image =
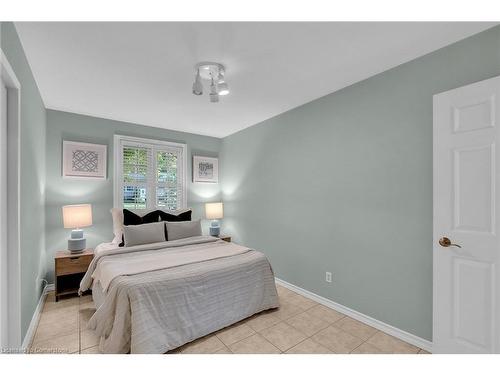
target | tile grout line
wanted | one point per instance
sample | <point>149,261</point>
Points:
<point>307,338</point>
<point>256,333</point>
<point>312,338</point>
<point>285,321</point>
<point>66,334</point>
<point>364,341</point>
<point>345,331</point>
<point>358,347</point>
<point>274,346</point>
<point>284,351</point>
<point>385,328</point>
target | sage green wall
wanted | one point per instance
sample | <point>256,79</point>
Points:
<point>32,178</point>
<point>72,127</point>
<point>344,184</point>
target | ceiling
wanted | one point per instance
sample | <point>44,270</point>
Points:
<point>143,72</point>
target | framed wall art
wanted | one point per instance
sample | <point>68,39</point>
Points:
<point>84,160</point>
<point>205,169</point>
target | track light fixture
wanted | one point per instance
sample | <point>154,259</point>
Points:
<point>215,74</point>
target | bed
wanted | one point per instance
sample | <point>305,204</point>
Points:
<point>153,298</point>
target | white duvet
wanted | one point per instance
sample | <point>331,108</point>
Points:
<point>139,262</point>
<point>161,296</point>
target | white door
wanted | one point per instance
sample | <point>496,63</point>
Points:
<point>466,219</point>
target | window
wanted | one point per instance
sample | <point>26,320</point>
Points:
<point>149,174</point>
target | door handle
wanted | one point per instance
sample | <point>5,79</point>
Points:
<point>445,242</point>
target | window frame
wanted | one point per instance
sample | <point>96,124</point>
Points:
<point>123,140</point>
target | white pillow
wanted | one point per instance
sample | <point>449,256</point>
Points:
<point>143,233</point>
<point>117,214</point>
<point>182,229</point>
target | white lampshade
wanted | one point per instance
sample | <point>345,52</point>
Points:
<point>77,215</point>
<point>214,211</point>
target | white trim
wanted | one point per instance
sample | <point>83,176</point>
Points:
<point>13,204</point>
<point>117,171</point>
<point>434,201</point>
<point>117,185</point>
<point>30,334</point>
<point>381,326</point>
<point>9,71</point>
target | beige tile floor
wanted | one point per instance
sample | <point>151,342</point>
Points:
<point>299,326</point>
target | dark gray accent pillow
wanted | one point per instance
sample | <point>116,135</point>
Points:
<point>144,233</point>
<point>183,229</point>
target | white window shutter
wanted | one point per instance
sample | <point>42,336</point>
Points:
<point>149,174</point>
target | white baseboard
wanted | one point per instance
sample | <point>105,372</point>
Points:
<point>381,326</point>
<point>36,316</point>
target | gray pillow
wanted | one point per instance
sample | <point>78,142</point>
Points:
<point>143,233</point>
<point>182,229</point>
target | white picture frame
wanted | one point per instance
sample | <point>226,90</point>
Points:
<point>205,169</point>
<point>84,160</point>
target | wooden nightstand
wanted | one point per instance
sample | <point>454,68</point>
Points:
<point>69,271</point>
<point>225,237</point>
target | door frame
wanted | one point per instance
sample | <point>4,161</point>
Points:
<point>13,204</point>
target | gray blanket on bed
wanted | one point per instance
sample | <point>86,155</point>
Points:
<point>157,310</point>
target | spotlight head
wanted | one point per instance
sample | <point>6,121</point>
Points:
<point>223,88</point>
<point>214,96</point>
<point>197,85</point>
<point>197,89</point>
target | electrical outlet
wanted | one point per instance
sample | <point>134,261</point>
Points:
<point>328,277</point>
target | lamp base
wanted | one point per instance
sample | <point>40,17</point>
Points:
<point>214,228</point>
<point>77,243</point>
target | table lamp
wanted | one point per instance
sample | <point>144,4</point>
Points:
<point>77,216</point>
<point>214,212</point>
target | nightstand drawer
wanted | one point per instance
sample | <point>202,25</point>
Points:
<point>72,264</point>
